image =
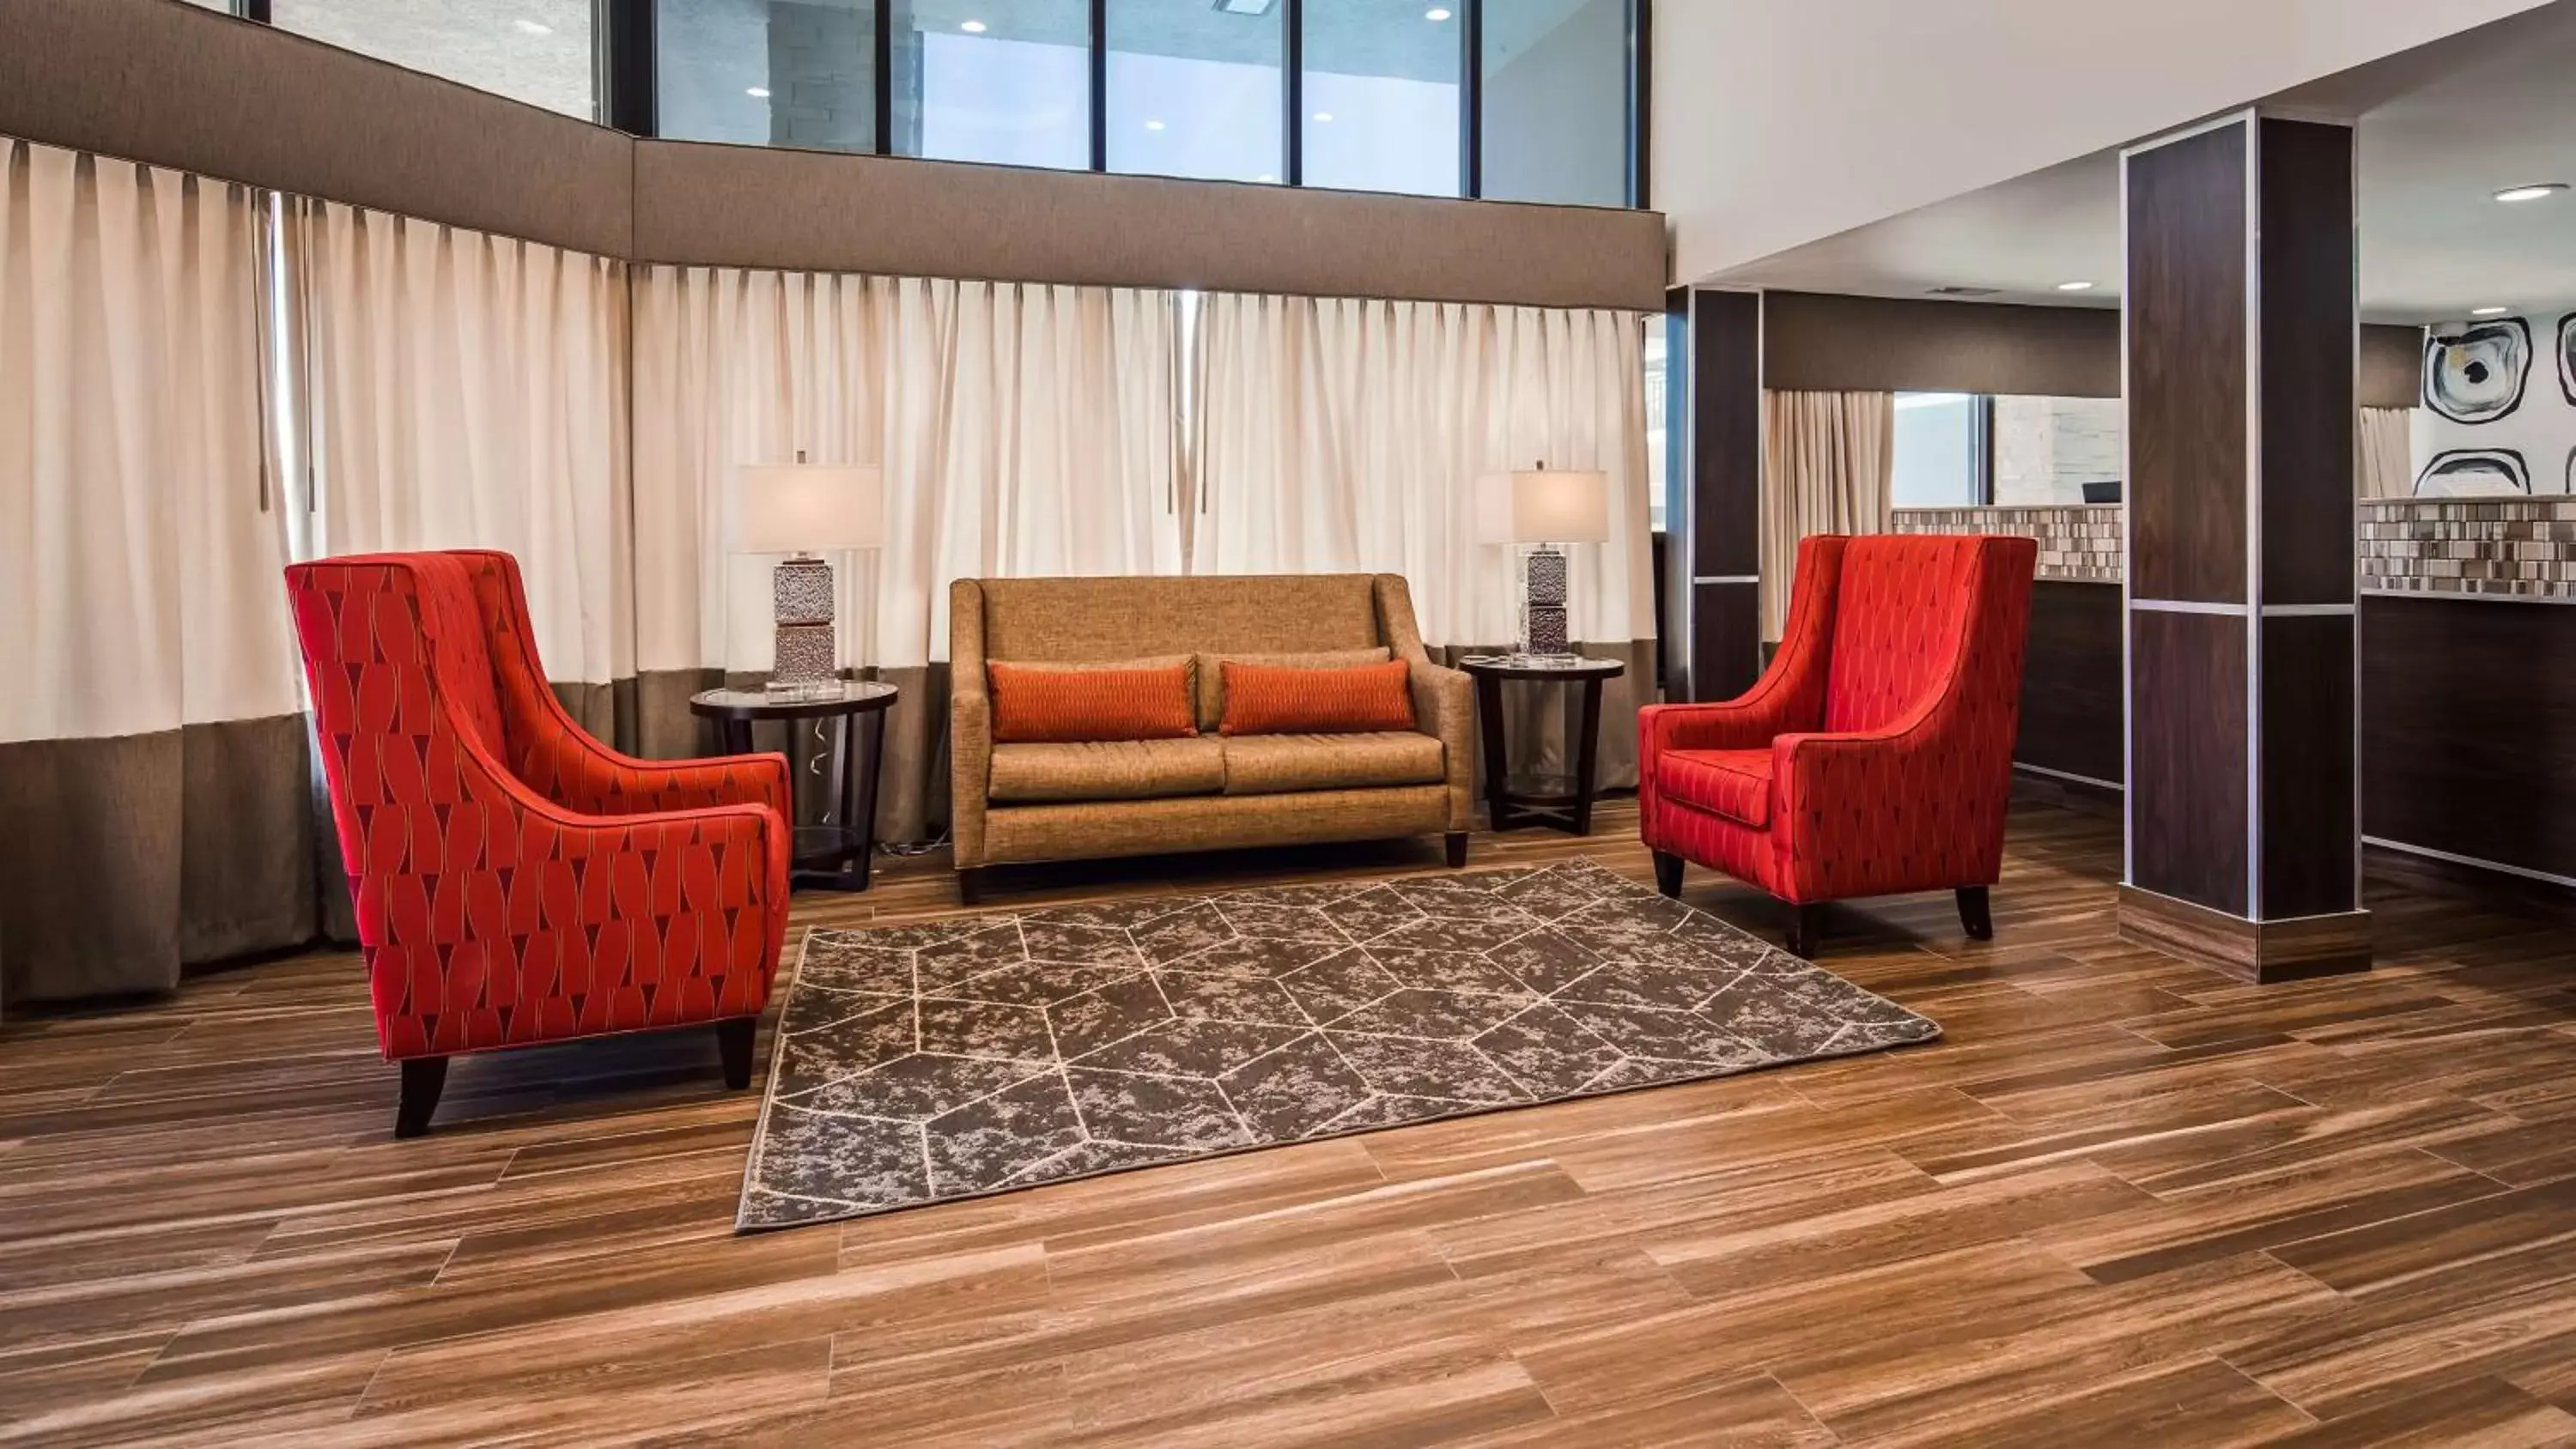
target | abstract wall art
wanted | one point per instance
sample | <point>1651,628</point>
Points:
<point>2499,393</point>
<point>2567,358</point>
<point>2474,473</point>
<point>2477,375</point>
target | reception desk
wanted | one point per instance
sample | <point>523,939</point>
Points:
<point>2468,698</point>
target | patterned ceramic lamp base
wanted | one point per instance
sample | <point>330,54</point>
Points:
<point>1543,614</point>
<point>807,654</point>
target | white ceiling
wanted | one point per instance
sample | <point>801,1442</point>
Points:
<point>2442,129</point>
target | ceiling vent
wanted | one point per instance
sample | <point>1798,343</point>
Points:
<point>1964,292</point>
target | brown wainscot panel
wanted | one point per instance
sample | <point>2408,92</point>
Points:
<point>2469,728</point>
<point>2070,684</point>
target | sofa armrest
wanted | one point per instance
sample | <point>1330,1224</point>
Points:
<point>970,725</point>
<point>1444,707</point>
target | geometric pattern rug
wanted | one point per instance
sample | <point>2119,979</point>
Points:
<point>958,1058</point>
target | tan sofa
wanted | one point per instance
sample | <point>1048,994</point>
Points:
<point>1036,802</point>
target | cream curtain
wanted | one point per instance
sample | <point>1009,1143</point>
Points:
<point>1022,430</point>
<point>469,390</point>
<point>152,756</point>
<point>1338,435</point>
<point>2387,460</point>
<point>1829,459</point>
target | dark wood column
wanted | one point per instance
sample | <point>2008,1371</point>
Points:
<point>2241,347</point>
<point>1713,589</point>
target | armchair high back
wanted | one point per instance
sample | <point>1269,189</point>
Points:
<point>1875,755</point>
<point>516,881</point>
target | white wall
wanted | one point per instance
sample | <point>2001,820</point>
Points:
<point>1781,121</point>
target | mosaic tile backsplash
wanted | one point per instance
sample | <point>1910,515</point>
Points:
<point>2077,541</point>
<point>2515,548</point>
<point>2518,548</point>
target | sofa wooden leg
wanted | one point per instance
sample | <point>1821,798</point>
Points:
<point>1668,874</point>
<point>422,1080</point>
<point>1974,916</point>
<point>1457,843</point>
<point>734,1040</point>
<point>970,885</point>
<point>1806,931</point>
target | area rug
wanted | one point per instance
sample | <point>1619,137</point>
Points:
<point>925,1063</point>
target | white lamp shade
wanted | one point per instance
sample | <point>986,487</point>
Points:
<point>1543,505</point>
<point>806,508</point>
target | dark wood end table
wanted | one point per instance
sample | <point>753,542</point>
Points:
<point>1559,800</point>
<point>837,853</point>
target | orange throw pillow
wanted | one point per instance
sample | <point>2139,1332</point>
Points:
<point>1281,699</point>
<point>1039,704</point>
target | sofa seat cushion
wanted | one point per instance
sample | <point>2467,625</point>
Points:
<point>1281,764</point>
<point>1109,770</point>
<point>1732,783</point>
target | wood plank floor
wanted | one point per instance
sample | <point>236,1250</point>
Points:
<point>2124,1201</point>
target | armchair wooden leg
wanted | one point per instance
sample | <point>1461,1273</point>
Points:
<point>734,1040</point>
<point>422,1080</point>
<point>1806,931</point>
<point>1668,874</point>
<point>1457,842</point>
<point>1974,917</point>
<point>970,885</point>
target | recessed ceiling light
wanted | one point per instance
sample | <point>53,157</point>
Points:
<point>1323,115</point>
<point>2488,311</point>
<point>1265,176</point>
<point>971,27</point>
<point>532,27</point>
<point>758,93</point>
<point>2532,192</point>
<point>2075,286</point>
<point>1153,125</point>
<point>1435,15</point>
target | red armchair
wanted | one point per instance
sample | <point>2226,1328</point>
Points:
<point>1875,755</point>
<point>516,882</point>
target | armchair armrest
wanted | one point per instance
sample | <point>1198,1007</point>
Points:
<point>970,725</point>
<point>1444,707</point>
<point>579,773</point>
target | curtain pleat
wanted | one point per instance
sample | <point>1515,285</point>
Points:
<point>469,391</point>
<point>1338,435</point>
<point>151,750</point>
<point>2387,461</point>
<point>1829,464</point>
<point>1022,430</point>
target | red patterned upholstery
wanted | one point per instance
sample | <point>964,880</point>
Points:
<point>1887,717</point>
<point>1732,783</point>
<point>516,882</point>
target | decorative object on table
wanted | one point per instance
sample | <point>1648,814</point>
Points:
<point>1887,715</point>
<point>472,865</point>
<point>1562,801</point>
<point>839,852</point>
<point>1539,508</point>
<point>801,509</point>
<point>975,1054</point>
<point>1030,800</point>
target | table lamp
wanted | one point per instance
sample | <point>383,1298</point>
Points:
<point>800,509</point>
<point>1541,507</point>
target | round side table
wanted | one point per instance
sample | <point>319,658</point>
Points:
<point>837,853</point>
<point>1560,800</point>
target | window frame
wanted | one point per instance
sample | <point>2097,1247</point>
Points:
<point>1980,448</point>
<point>625,65</point>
